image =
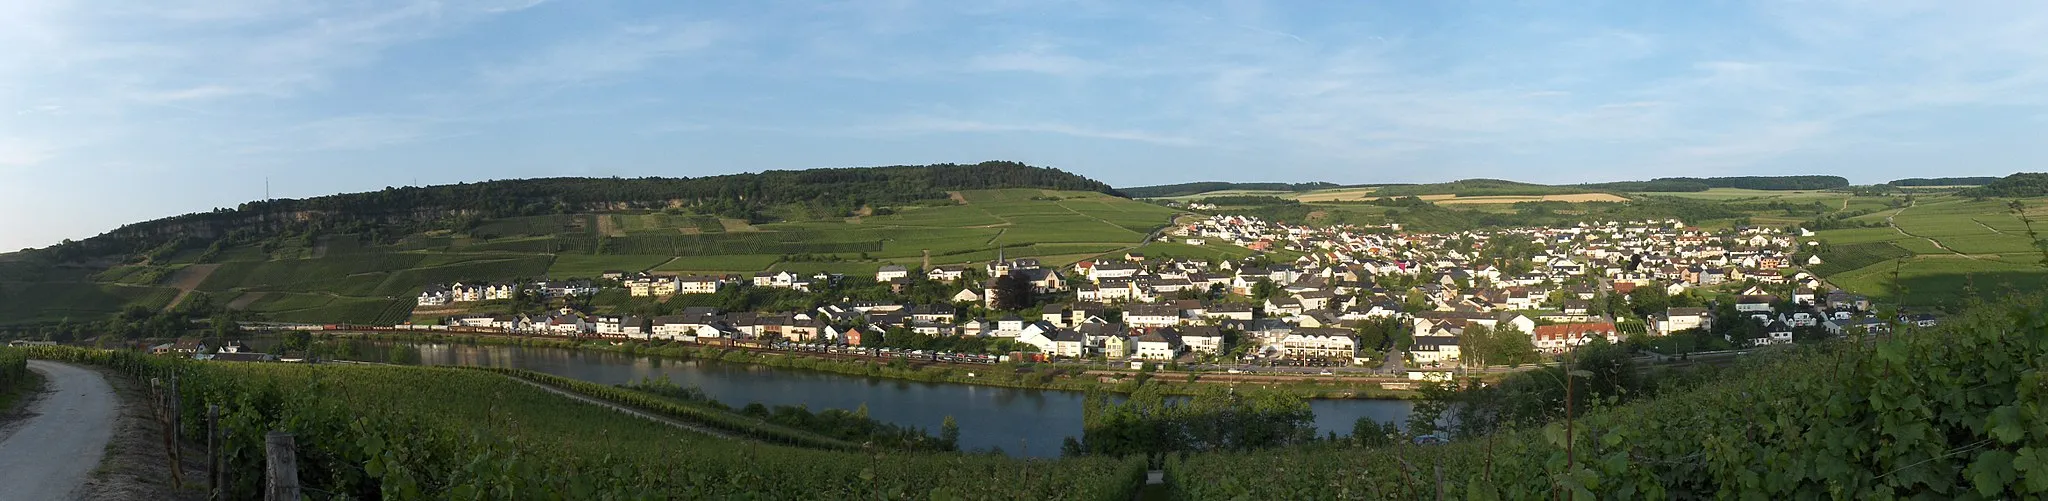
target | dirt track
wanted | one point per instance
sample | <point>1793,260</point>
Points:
<point>187,280</point>
<point>50,455</point>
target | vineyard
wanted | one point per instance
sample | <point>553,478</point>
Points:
<point>53,301</point>
<point>417,432</point>
<point>1840,258</point>
<point>1954,412</point>
<point>13,372</point>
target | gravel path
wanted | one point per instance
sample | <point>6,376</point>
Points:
<point>49,455</point>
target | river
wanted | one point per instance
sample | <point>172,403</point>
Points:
<point>1019,421</point>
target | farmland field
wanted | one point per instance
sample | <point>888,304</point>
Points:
<point>589,266</point>
<point>54,301</point>
<point>1981,247</point>
<point>1725,194</point>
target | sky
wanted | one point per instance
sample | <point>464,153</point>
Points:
<point>112,113</point>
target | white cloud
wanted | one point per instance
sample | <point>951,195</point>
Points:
<point>623,51</point>
<point>22,152</point>
<point>1034,61</point>
<point>930,125</point>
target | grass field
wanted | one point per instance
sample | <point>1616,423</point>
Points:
<point>1726,194</point>
<point>1942,248</point>
<point>589,266</point>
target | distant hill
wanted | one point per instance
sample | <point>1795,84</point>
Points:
<point>1184,189</point>
<point>1681,184</point>
<point>1477,188</point>
<point>2020,185</point>
<point>1945,181</point>
<point>759,197</point>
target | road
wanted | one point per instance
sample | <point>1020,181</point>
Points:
<point>49,455</point>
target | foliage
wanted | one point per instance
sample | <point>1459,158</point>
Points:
<point>369,432</point>
<point>1255,200</point>
<point>1184,189</point>
<point>831,424</point>
<point>1767,182</point>
<point>1944,181</point>
<point>1953,412</point>
<point>13,369</point>
<point>1505,346</point>
<point>2019,185</point>
<point>1216,419</point>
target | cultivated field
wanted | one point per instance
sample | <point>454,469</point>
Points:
<point>1746,194</point>
<point>344,279</point>
<point>1940,248</point>
<point>1574,198</point>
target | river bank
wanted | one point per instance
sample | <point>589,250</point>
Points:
<point>1019,376</point>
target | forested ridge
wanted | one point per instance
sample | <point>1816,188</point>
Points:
<point>1183,189</point>
<point>1945,181</point>
<point>760,196</point>
<point>2024,184</point>
<point>1742,182</point>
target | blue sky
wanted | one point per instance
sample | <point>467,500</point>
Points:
<point>112,114</point>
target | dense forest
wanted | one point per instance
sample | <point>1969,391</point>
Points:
<point>1184,189</point>
<point>759,197</point>
<point>1681,184</point>
<point>1945,181</point>
<point>2024,184</point>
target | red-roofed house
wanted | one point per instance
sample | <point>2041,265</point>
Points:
<point>1561,337</point>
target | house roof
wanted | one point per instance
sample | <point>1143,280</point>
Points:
<point>1573,330</point>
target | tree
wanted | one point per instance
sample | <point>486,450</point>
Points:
<point>949,435</point>
<point>1369,432</point>
<point>1012,292</point>
<point>1264,289</point>
<point>296,341</point>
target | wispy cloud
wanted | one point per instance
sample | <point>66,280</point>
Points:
<point>933,125</point>
<point>20,152</point>
<point>623,51</point>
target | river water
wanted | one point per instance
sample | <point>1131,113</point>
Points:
<point>1019,421</point>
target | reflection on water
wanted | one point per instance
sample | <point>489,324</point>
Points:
<point>1021,422</point>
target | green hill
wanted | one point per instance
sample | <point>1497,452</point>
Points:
<point>1478,188</point>
<point>1185,189</point>
<point>2020,185</point>
<point>364,257</point>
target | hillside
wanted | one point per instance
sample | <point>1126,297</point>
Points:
<point>1944,181</point>
<point>1185,189</point>
<point>1477,188</point>
<point>755,197</point>
<point>2020,185</point>
<point>1687,184</point>
<point>363,257</point>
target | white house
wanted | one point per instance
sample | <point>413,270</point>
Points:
<point>500,291</point>
<point>436,296</point>
<point>1041,339</point>
<point>697,285</point>
<point>615,325</point>
<point>891,272</point>
<point>1069,343</point>
<point>1202,339</point>
<point>1152,316</point>
<point>1162,344</point>
<point>1434,350</point>
<point>1319,343</point>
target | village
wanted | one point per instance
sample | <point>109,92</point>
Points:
<point>1354,297</point>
